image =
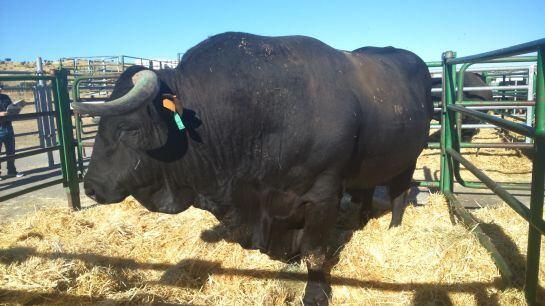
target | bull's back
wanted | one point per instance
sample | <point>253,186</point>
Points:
<point>271,106</point>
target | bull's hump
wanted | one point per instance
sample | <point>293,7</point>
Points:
<point>251,44</point>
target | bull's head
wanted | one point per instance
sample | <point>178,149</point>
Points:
<point>137,147</point>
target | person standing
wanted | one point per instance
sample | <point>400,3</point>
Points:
<point>7,137</point>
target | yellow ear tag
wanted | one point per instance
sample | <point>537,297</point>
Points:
<point>169,104</point>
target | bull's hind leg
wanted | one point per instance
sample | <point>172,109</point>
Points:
<point>322,203</point>
<point>364,199</point>
<point>398,189</point>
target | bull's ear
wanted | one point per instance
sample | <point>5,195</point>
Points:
<point>147,137</point>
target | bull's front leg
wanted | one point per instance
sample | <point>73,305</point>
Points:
<point>318,289</point>
<point>320,217</point>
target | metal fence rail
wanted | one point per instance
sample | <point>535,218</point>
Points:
<point>451,157</point>
<point>78,118</point>
<point>502,108</point>
<point>65,144</point>
<point>110,64</point>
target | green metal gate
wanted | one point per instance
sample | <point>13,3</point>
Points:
<point>66,144</point>
<point>451,157</point>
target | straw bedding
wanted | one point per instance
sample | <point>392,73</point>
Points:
<point>122,253</point>
<point>506,165</point>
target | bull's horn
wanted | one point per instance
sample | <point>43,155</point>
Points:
<point>146,86</point>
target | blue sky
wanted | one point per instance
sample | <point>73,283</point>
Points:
<point>162,28</point>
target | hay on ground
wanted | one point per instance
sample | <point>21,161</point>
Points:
<point>502,165</point>
<point>123,253</point>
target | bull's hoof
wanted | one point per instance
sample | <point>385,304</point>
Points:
<point>317,294</point>
<point>394,224</point>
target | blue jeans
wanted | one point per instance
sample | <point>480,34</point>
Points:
<point>7,137</point>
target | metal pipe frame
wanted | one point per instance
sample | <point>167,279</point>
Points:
<point>447,120</point>
<point>515,204</point>
<point>29,116</point>
<point>497,70</point>
<point>66,138</point>
<point>77,118</point>
<point>59,86</point>
<point>505,53</point>
<point>508,115</point>
<point>491,103</point>
<point>503,87</point>
<point>29,153</point>
<point>493,145</point>
<point>538,180</point>
<point>507,59</point>
<point>468,126</point>
<point>505,124</point>
<point>528,89</point>
<point>451,158</point>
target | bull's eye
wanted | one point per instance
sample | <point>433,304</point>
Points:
<point>130,132</point>
<point>128,126</point>
<point>127,129</point>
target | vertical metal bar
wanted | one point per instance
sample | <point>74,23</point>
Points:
<point>446,124</point>
<point>51,136</point>
<point>503,91</point>
<point>56,99</point>
<point>40,70</point>
<point>67,140</point>
<point>77,118</point>
<point>538,179</point>
<point>515,92</point>
<point>530,109</point>
<point>42,104</point>
<point>460,97</point>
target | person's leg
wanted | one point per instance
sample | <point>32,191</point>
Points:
<point>10,150</point>
<point>2,136</point>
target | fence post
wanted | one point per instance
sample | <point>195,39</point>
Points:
<point>66,137</point>
<point>122,64</point>
<point>42,102</point>
<point>530,109</point>
<point>79,125</point>
<point>538,180</point>
<point>447,123</point>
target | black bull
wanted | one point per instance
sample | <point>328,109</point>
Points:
<point>471,79</point>
<point>276,128</point>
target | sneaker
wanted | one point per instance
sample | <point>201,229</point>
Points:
<point>17,174</point>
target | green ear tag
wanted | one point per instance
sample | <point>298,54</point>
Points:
<point>178,121</point>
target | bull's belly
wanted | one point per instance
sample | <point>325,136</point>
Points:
<point>379,169</point>
<point>375,173</point>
